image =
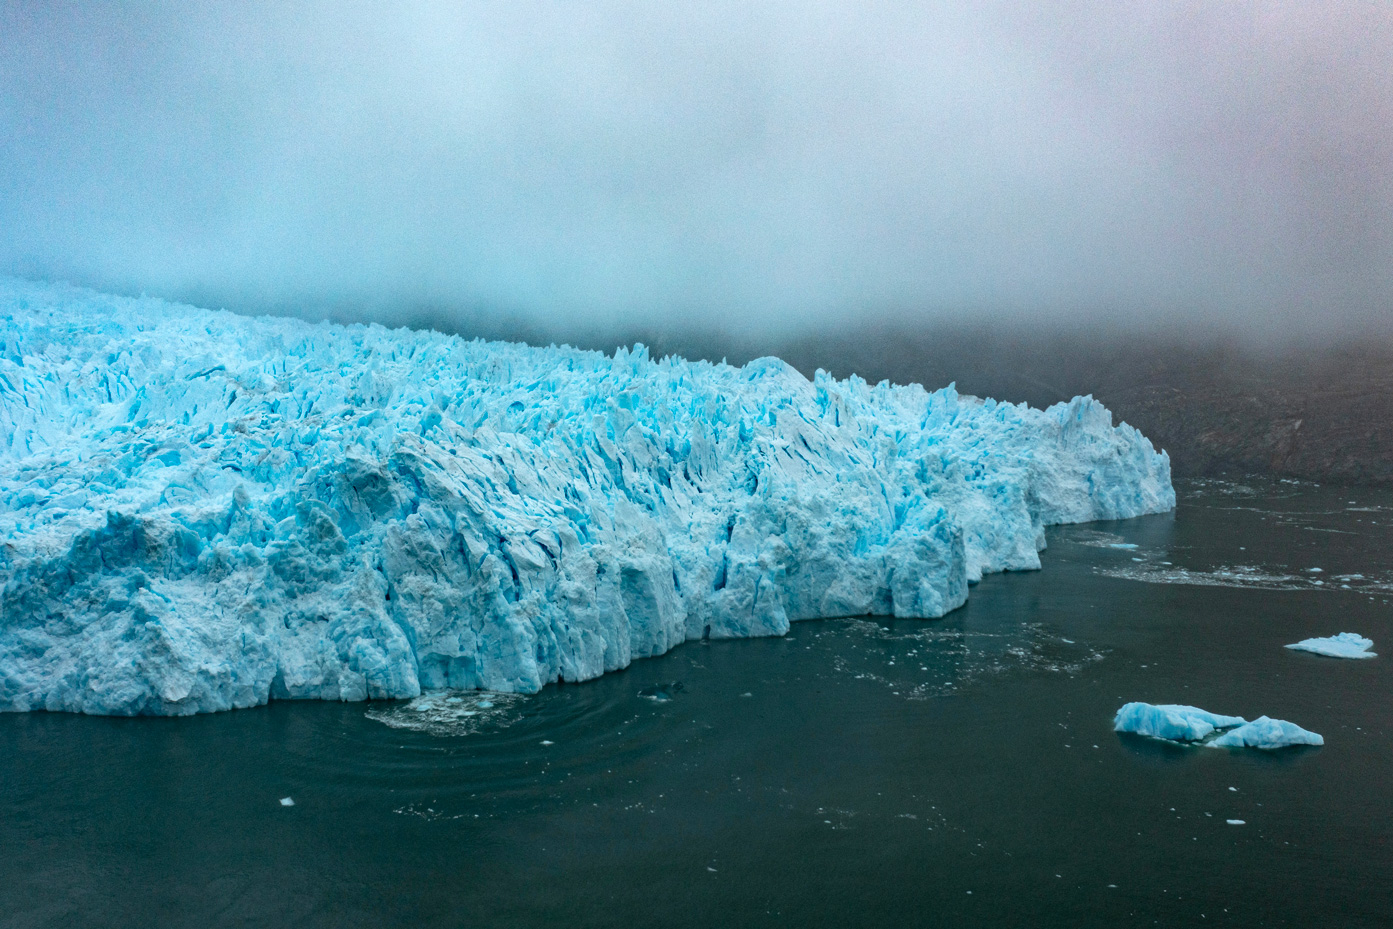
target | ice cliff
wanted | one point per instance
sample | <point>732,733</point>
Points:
<point>202,511</point>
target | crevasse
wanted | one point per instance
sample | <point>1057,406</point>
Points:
<point>202,511</point>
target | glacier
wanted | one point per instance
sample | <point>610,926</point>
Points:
<point>203,511</point>
<point>1344,645</point>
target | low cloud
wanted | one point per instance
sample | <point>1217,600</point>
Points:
<point>754,168</point>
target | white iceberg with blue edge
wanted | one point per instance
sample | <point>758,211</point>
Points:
<point>1177,723</point>
<point>1266,733</point>
<point>201,511</point>
<point>1174,722</point>
<point>1344,645</point>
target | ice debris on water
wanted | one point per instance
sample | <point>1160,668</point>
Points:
<point>448,713</point>
<point>1266,733</point>
<point>286,801</point>
<point>201,511</point>
<point>662,693</point>
<point>1177,723</point>
<point>1174,722</point>
<point>1344,645</point>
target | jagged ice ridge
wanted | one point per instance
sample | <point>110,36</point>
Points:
<point>201,511</point>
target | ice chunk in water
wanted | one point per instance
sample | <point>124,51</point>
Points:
<point>1266,733</point>
<point>1175,722</point>
<point>1344,645</point>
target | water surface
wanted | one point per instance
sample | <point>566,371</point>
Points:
<point>957,772</point>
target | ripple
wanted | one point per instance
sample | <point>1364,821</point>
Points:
<point>450,713</point>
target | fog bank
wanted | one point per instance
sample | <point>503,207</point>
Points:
<point>558,169</point>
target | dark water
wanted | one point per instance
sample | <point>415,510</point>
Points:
<point>960,772</point>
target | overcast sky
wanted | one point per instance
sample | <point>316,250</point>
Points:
<point>767,165</point>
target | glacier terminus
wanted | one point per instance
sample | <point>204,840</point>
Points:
<point>201,511</point>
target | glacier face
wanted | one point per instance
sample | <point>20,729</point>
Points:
<point>201,511</point>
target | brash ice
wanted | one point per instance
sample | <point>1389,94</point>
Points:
<point>202,511</point>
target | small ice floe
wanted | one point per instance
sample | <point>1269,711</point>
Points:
<point>1236,822</point>
<point>548,742</point>
<point>286,801</point>
<point>1266,733</point>
<point>1191,724</point>
<point>1172,722</point>
<point>1125,546</point>
<point>1314,571</point>
<point>1344,645</point>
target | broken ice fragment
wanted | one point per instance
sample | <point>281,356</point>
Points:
<point>1266,733</point>
<point>1344,645</point>
<point>1173,722</point>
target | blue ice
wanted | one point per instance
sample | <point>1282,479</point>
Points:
<point>201,511</point>
<point>1174,722</point>
<point>1266,733</point>
<point>1177,723</point>
<point>1344,645</point>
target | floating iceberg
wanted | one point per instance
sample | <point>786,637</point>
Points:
<point>1191,724</point>
<point>1266,733</point>
<point>1171,721</point>
<point>201,511</point>
<point>1344,645</point>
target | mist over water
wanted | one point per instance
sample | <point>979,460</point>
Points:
<point>564,171</point>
